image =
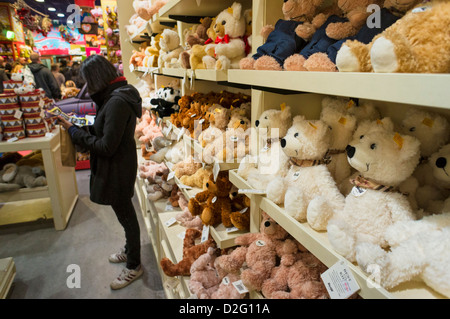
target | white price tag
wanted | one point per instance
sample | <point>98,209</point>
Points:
<point>131,67</point>
<point>296,175</point>
<point>226,281</point>
<point>170,176</point>
<point>214,199</point>
<point>240,287</point>
<point>11,140</point>
<point>252,191</point>
<point>260,243</point>
<point>205,233</point>
<point>232,229</point>
<point>18,114</point>
<point>216,170</point>
<point>339,281</point>
<point>182,186</point>
<point>169,207</point>
<point>243,210</point>
<point>358,191</point>
<point>170,222</point>
<point>180,134</point>
<point>49,135</point>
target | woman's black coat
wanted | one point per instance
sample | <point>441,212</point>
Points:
<point>113,155</point>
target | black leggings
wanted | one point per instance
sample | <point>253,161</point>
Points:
<point>127,217</point>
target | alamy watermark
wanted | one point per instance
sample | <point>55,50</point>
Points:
<point>374,20</point>
<point>74,279</point>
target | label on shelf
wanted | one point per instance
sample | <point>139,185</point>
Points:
<point>232,229</point>
<point>131,67</point>
<point>171,221</point>
<point>170,176</point>
<point>205,233</point>
<point>11,140</point>
<point>252,191</point>
<point>339,281</point>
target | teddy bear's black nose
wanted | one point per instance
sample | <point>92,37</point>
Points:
<point>266,223</point>
<point>257,123</point>
<point>350,151</point>
<point>207,184</point>
<point>242,122</point>
<point>283,142</point>
<point>441,162</point>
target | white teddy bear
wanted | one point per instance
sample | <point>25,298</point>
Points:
<point>230,27</point>
<point>308,183</point>
<point>271,161</point>
<point>419,251</point>
<point>171,49</point>
<point>384,159</point>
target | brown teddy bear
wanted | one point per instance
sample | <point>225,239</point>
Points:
<point>214,203</point>
<point>191,252</point>
<point>240,212</point>
<point>198,36</point>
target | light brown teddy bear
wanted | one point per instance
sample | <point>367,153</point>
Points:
<point>417,43</point>
<point>198,179</point>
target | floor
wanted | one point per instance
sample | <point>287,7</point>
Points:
<point>73,264</point>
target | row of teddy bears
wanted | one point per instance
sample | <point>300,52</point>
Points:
<point>316,35</point>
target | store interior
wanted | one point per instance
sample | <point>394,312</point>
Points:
<point>286,149</point>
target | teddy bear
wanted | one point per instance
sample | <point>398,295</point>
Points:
<point>13,177</point>
<point>134,24</point>
<point>240,210</point>
<point>353,54</point>
<point>204,280</point>
<point>170,48</point>
<point>198,179</point>
<point>346,22</point>
<point>149,170</point>
<point>259,251</point>
<point>160,187</point>
<point>218,117</point>
<point>272,125</point>
<point>197,36</point>
<point>213,205</point>
<point>146,9</point>
<point>186,167</point>
<point>152,52</point>
<point>167,103</point>
<point>308,187</point>
<point>384,159</point>
<point>418,251</point>
<point>137,58</point>
<point>283,40</point>
<point>191,251</point>
<point>184,217</point>
<point>229,46</point>
<point>407,46</point>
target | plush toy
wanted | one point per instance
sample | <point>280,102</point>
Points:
<point>146,9</point>
<point>226,289</point>
<point>204,279</point>
<point>198,37</point>
<point>282,41</point>
<point>417,43</point>
<point>167,103</point>
<point>353,54</point>
<point>185,218</point>
<point>346,23</point>
<point>170,48</point>
<point>152,52</point>
<point>240,211</point>
<point>24,75</point>
<point>419,251</point>
<point>308,186</point>
<point>198,179</point>
<point>160,188</point>
<point>229,46</point>
<point>260,251</point>
<point>219,117</point>
<point>384,159</point>
<point>213,205</point>
<point>137,58</point>
<point>191,251</point>
<point>272,125</point>
<point>13,177</point>
<point>149,170</point>
<point>134,24</point>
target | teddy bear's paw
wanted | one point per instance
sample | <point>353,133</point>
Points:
<point>267,63</point>
<point>247,64</point>
<point>341,240</point>
<point>370,257</point>
<point>223,64</point>
<point>295,204</point>
<point>209,61</point>
<point>295,63</point>
<point>346,60</point>
<point>320,62</point>
<point>318,214</point>
<point>276,190</point>
<point>383,56</point>
<point>155,196</point>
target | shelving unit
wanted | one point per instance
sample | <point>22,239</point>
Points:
<point>7,275</point>
<point>303,91</point>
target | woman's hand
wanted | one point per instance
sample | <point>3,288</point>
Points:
<point>66,124</point>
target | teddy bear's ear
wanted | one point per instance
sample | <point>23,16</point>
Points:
<point>237,10</point>
<point>409,147</point>
<point>299,119</point>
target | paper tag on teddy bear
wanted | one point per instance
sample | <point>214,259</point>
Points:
<point>260,243</point>
<point>216,170</point>
<point>214,199</point>
<point>226,280</point>
<point>252,191</point>
<point>339,281</point>
<point>421,9</point>
<point>180,134</point>
<point>358,191</point>
<point>240,287</point>
<point>205,233</point>
<point>170,176</point>
<point>234,138</point>
<point>243,210</point>
<point>296,175</point>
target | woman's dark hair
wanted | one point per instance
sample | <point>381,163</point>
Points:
<point>98,73</point>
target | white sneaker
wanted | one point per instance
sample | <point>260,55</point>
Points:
<point>126,277</point>
<point>119,257</point>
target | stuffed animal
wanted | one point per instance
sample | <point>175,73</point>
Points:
<point>160,188</point>
<point>384,159</point>
<point>170,48</point>
<point>229,46</point>
<point>191,252</point>
<point>13,177</point>
<point>197,37</point>
<point>149,170</point>
<point>218,117</point>
<point>308,186</point>
<point>350,18</point>
<point>260,251</point>
<point>134,24</point>
<point>204,279</point>
<point>240,211</point>
<point>353,54</point>
<point>186,167</point>
<point>226,289</point>
<point>167,103</point>
<point>185,218</point>
<point>213,205</point>
<point>137,58</point>
<point>282,40</point>
<point>24,75</point>
<point>146,9</point>
<point>198,179</point>
<point>419,251</point>
<point>412,45</point>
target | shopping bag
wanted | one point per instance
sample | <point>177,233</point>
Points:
<point>68,152</point>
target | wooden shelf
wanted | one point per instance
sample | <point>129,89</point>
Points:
<point>140,34</point>
<point>417,89</point>
<point>7,275</point>
<point>318,244</point>
<point>23,194</point>
<point>198,7</point>
<point>208,75</point>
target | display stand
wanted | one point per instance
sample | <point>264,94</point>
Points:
<point>7,275</point>
<point>62,188</point>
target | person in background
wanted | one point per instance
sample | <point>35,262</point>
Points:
<point>44,78</point>
<point>66,69</point>
<point>3,76</point>
<point>76,76</point>
<point>58,75</point>
<point>113,156</point>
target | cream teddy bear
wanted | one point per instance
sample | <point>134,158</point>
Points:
<point>271,161</point>
<point>419,251</point>
<point>229,46</point>
<point>384,159</point>
<point>308,183</point>
<point>171,48</point>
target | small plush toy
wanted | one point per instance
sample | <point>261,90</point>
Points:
<point>186,167</point>
<point>260,251</point>
<point>283,40</point>
<point>229,46</point>
<point>170,48</point>
<point>161,188</point>
<point>419,251</point>
<point>219,117</point>
<point>308,184</point>
<point>384,159</point>
<point>167,103</point>
<point>191,251</point>
<point>204,279</point>
<point>146,9</point>
<point>352,54</point>
<point>198,179</point>
<point>13,177</point>
<point>149,170</point>
<point>198,36</point>
<point>214,203</point>
<point>185,218</point>
<point>240,211</point>
<point>417,43</point>
<point>134,24</point>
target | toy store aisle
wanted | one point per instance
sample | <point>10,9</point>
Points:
<point>42,256</point>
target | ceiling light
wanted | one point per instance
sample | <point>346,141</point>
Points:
<point>51,9</point>
<point>60,15</point>
<point>40,0</point>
